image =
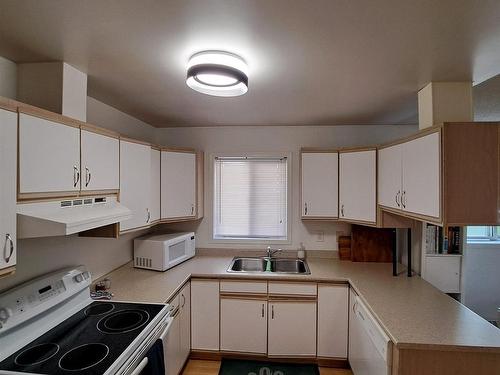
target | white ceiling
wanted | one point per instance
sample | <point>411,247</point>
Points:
<point>318,62</point>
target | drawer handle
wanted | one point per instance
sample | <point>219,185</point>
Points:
<point>272,311</point>
<point>8,238</point>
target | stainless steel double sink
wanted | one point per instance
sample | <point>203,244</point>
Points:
<point>277,265</point>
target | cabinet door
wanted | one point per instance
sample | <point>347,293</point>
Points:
<point>178,184</point>
<point>205,314</point>
<point>443,271</point>
<point>249,337</point>
<point>8,171</point>
<point>49,156</point>
<point>185,322</point>
<point>333,320</point>
<point>357,185</point>
<point>421,175</point>
<point>100,162</point>
<point>292,329</point>
<point>135,177</point>
<point>171,343</point>
<point>320,185</point>
<point>155,185</point>
<point>390,176</point>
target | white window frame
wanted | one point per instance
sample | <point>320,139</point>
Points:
<point>250,241</point>
<point>492,238</point>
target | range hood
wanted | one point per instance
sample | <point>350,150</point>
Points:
<point>61,218</point>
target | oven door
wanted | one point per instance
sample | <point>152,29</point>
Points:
<point>139,359</point>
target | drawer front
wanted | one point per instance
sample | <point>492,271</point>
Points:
<point>237,286</point>
<point>288,288</point>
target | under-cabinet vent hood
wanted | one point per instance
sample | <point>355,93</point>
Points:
<point>61,218</point>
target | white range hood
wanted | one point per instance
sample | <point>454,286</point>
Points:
<point>61,218</point>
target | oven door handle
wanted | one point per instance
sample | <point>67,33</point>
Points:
<point>141,366</point>
<point>166,329</point>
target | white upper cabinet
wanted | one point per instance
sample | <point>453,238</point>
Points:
<point>319,185</point>
<point>8,186</point>
<point>135,180</point>
<point>409,177</point>
<point>178,184</point>
<point>390,176</point>
<point>49,156</point>
<point>421,175</point>
<point>155,184</point>
<point>100,162</point>
<point>358,186</point>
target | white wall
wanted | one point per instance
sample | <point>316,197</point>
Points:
<point>213,140</point>
<point>101,114</point>
<point>8,78</point>
<point>481,279</point>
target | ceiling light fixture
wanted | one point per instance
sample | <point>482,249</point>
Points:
<point>217,73</point>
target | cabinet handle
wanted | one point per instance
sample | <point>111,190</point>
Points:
<point>8,238</point>
<point>76,176</point>
<point>305,208</point>
<point>342,210</point>
<point>403,199</point>
<point>183,300</point>
<point>149,215</point>
<point>262,310</point>
<point>397,198</point>
<point>192,209</point>
<point>88,177</point>
<point>272,311</point>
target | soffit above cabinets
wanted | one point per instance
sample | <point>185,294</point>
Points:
<point>310,63</point>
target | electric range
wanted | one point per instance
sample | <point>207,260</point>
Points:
<point>51,326</point>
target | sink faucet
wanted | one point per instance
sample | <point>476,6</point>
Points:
<point>271,252</point>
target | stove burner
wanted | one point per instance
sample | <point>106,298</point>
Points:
<point>83,357</point>
<point>36,354</point>
<point>123,321</point>
<point>99,309</point>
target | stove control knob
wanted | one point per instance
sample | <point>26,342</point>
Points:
<point>5,314</point>
<point>79,278</point>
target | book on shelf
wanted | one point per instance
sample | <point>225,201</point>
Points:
<point>442,241</point>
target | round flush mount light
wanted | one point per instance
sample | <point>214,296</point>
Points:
<point>217,73</point>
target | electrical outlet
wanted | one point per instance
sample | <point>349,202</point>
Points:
<point>320,236</point>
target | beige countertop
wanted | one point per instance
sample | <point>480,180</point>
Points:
<point>412,312</point>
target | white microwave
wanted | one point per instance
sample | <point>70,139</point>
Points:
<point>160,252</point>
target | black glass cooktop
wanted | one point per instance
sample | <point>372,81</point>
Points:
<point>86,343</point>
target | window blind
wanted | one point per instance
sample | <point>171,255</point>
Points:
<point>250,198</point>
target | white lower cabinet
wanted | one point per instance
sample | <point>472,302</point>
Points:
<point>205,314</point>
<point>243,325</point>
<point>176,345</point>
<point>443,271</point>
<point>333,320</point>
<point>292,328</point>
<point>8,170</point>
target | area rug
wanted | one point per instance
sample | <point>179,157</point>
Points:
<point>243,367</point>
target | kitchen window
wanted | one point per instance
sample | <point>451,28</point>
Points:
<point>483,234</point>
<point>250,198</point>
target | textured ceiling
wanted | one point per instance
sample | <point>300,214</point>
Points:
<point>312,62</point>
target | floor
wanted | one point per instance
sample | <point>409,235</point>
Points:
<point>196,367</point>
